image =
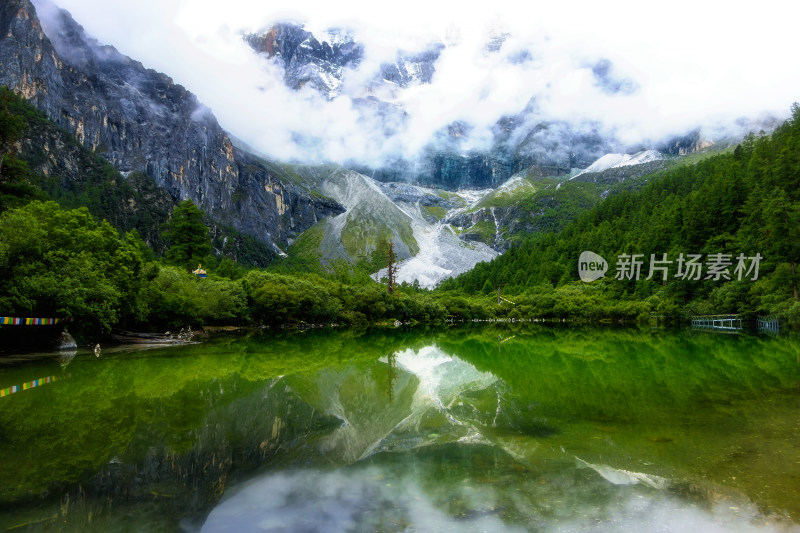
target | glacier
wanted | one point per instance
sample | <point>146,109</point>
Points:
<point>442,254</point>
<point>621,160</point>
<point>413,217</point>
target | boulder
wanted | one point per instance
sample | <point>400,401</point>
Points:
<point>65,342</point>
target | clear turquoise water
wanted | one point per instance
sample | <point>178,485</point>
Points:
<point>462,429</point>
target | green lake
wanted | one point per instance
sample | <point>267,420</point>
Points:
<point>512,428</point>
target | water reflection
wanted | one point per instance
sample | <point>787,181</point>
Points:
<point>13,389</point>
<point>469,489</point>
<point>460,429</point>
<point>510,444</point>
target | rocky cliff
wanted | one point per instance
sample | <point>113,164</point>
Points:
<point>141,121</point>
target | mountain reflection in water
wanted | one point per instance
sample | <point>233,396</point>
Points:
<point>556,429</point>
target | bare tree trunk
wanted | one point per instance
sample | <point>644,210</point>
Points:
<point>391,270</point>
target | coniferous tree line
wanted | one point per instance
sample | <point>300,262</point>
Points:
<point>746,202</point>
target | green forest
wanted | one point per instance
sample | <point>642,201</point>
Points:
<point>746,202</point>
<point>72,254</point>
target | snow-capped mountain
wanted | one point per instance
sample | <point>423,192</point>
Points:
<point>621,160</point>
<point>324,60</point>
<point>307,60</point>
<point>329,61</point>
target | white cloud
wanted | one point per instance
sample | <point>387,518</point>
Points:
<point>692,63</point>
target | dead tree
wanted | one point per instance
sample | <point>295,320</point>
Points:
<point>391,269</point>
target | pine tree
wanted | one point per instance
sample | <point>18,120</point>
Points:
<point>187,235</point>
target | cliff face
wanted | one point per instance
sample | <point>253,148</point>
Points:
<point>75,176</point>
<point>141,121</point>
<point>690,143</point>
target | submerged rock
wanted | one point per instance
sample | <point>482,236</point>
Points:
<point>65,342</point>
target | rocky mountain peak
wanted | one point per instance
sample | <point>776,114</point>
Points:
<point>307,60</point>
<point>141,121</point>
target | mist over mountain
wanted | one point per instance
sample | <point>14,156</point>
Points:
<point>462,153</point>
<point>389,102</point>
<point>399,95</point>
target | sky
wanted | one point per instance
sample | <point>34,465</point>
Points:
<point>685,64</point>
